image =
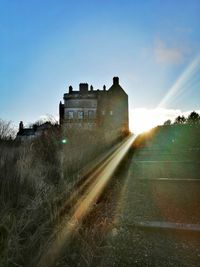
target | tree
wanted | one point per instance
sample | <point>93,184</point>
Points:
<point>46,119</point>
<point>180,120</point>
<point>6,130</point>
<point>193,118</point>
<point>167,122</point>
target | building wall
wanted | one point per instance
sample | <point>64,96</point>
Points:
<point>76,102</point>
<point>80,111</point>
<point>105,109</point>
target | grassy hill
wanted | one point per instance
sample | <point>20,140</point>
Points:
<point>171,137</point>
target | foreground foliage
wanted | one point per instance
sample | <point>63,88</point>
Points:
<point>35,177</point>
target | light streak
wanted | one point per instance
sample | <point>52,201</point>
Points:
<point>184,82</point>
<point>84,205</point>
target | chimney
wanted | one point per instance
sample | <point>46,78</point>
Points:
<point>70,89</point>
<point>91,88</point>
<point>21,126</point>
<point>83,87</point>
<point>104,88</point>
<point>61,112</point>
<point>115,80</point>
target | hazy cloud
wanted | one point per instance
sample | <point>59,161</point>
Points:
<point>167,55</point>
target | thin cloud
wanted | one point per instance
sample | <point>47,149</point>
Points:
<point>167,55</point>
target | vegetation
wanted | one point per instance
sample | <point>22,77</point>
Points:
<point>193,118</point>
<point>6,130</point>
<point>35,176</point>
<point>172,138</point>
<point>183,133</point>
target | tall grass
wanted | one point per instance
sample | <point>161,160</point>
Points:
<point>35,177</point>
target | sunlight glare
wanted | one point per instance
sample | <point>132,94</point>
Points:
<point>142,119</point>
<point>84,204</point>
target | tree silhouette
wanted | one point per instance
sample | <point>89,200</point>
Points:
<point>193,118</point>
<point>180,120</point>
<point>167,122</point>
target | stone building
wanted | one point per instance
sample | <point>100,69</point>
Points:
<point>30,133</point>
<point>104,109</point>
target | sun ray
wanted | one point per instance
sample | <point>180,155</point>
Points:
<point>183,83</point>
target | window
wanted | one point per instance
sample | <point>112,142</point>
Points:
<point>80,115</point>
<point>91,114</point>
<point>70,115</point>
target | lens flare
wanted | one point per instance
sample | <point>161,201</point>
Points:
<point>84,205</point>
<point>187,79</point>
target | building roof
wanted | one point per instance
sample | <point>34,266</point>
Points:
<point>85,92</point>
<point>26,132</point>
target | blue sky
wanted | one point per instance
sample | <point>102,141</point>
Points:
<point>45,46</point>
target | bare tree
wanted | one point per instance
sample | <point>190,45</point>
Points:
<point>6,130</point>
<point>46,119</point>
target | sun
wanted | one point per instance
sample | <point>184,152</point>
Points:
<point>142,124</point>
<point>142,120</point>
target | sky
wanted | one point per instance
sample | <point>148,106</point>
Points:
<point>153,46</point>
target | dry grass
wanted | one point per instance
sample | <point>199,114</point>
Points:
<point>34,179</point>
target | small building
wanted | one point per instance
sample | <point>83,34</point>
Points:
<point>25,134</point>
<point>88,108</point>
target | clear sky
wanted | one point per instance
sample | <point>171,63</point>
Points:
<point>152,45</point>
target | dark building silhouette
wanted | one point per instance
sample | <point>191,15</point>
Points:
<point>86,108</point>
<point>96,109</point>
<point>25,134</point>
